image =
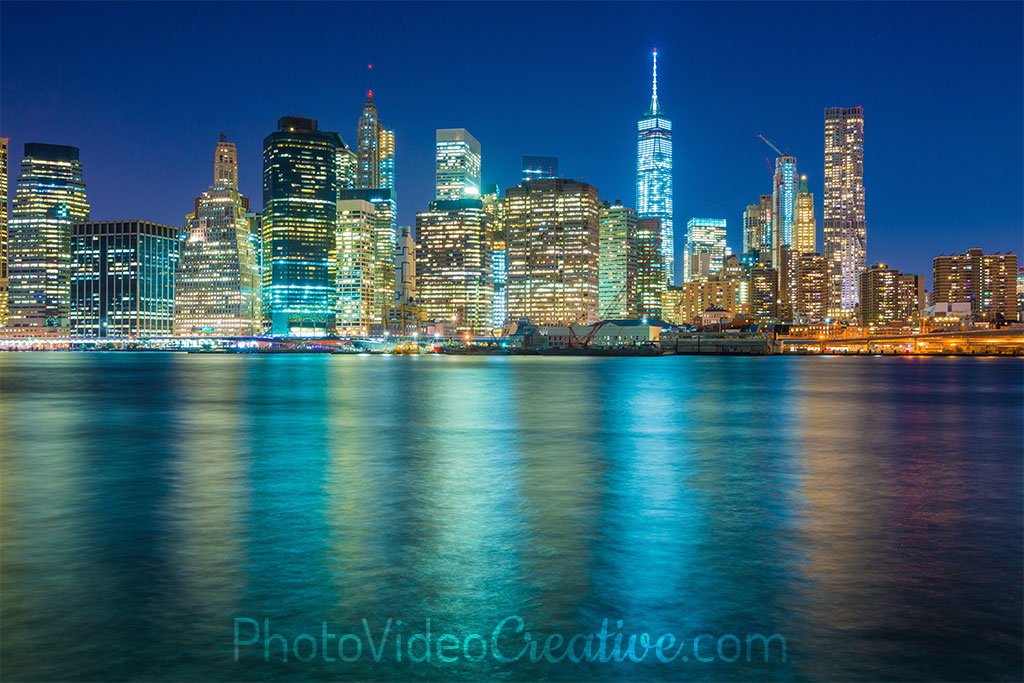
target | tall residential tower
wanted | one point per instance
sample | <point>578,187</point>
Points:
<point>845,226</point>
<point>654,172</point>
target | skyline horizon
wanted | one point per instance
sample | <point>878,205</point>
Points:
<point>164,191</point>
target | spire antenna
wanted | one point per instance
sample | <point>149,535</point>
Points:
<point>654,84</point>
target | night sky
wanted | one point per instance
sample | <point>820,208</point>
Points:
<point>143,89</point>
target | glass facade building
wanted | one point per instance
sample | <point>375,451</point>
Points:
<point>617,262</point>
<point>122,279</point>
<point>3,232</point>
<point>784,190</point>
<point>356,267</point>
<point>804,229</point>
<point>300,205</point>
<point>458,164</point>
<point>50,198</point>
<point>705,247</point>
<point>654,172</point>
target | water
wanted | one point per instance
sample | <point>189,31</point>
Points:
<point>868,510</point>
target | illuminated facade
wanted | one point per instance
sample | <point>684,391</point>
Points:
<point>986,281</point>
<point>617,262</point>
<point>553,235</point>
<point>495,205</point>
<point>752,232</point>
<point>458,159</point>
<point>454,265</point>
<point>50,198</point>
<point>705,237</point>
<point>879,295</point>
<point>217,290</point>
<point>811,287</point>
<point>375,150</point>
<point>805,227</point>
<point>385,227</point>
<point>845,222</point>
<point>684,305</point>
<point>300,195</point>
<point>355,270</point>
<point>650,280</point>
<point>539,167</point>
<point>784,191</point>
<point>764,293</point>
<point>654,172</point>
<point>3,232</point>
<point>123,278</point>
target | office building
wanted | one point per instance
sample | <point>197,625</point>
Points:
<point>356,268</point>
<point>654,172</point>
<point>844,217</point>
<point>811,288</point>
<point>879,300</point>
<point>217,289</point>
<point>753,238</point>
<point>123,278</point>
<point>495,206</point>
<point>784,191</point>
<point>385,221</point>
<point>50,197</point>
<point>804,227</point>
<point>986,281</point>
<point>375,151</point>
<point>553,236</point>
<point>457,174</point>
<point>454,265</point>
<point>705,247</point>
<point>617,261</point>
<point>300,207</point>
<point>764,293</point>
<point>539,167</point>
<point>650,280</point>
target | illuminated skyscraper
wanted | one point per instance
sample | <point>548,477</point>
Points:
<point>385,226</point>
<point>752,228</point>
<point>784,189</point>
<point>845,222</point>
<point>50,198</point>
<point>375,150</point>
<point>704,237</point>
<point>3,232</point>
<point>654,172</point>
<point>805,227</point>
<point>650,267</point>
<point>811,288</point>
<point>355,269</point>
<point>539,167</point>
<point>217,289</point>
<point>458,164</point>
<point>300,206</point>
<point>454,267</point>
<point>495,205</point>
<point>122,279</point>
<point>552,226</point>
<point>617,258</point>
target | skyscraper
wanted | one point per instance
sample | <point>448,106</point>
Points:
<point>50,198</point>
<point>539,167</point>
<point>811,287</point>
<point>355,269</point>
<point>650,267</point>
<point>703,236</point>
<point>784,190</point>
<point>3,232</point>
<point>805,227</point>
<point>123,279</point>
<point>654,172</point>
<point>752,228</point>
<point>458,164</point>
<point>617,257</point>
<point>217,289</point>
<point>385,222</point>
<point>552,226</point>
<point>375,150</point>
<point>300,197</point>
<point>845,222</point>
<point>454,269</point>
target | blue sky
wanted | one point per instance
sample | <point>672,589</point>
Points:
<point>144,89</point>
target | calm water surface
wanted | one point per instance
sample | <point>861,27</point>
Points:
<point>868,510</point>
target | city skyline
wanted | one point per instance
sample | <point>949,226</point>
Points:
<point>719,168</point>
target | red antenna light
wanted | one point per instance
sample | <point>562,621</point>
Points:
<point>369,66</point>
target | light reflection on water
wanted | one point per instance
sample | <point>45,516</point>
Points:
<point>869,510</point>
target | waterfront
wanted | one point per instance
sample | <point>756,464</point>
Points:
<point>867,509</point>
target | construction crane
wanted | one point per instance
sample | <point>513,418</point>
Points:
<point>772,145</point>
